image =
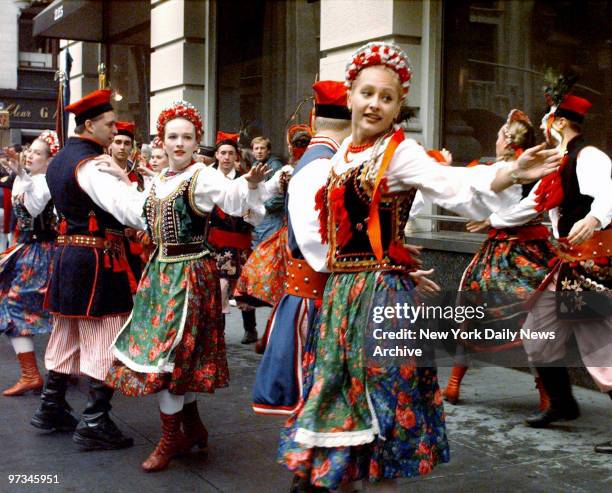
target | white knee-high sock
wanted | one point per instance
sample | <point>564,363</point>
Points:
<point>189,397</point>
<point>22,344</point>
<point>169,403</point>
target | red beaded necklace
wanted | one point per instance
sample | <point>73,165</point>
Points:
<point>353,149</point>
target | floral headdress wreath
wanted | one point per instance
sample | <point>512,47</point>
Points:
<point>379,53</point>
<point>50,138</point>
<point>515,116</point>
<point>180,109</point>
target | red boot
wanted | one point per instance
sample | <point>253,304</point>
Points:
<point>194,429</point>
<point>451,393</point>
<point>30,376</point>
<point>544,399</point>
<point>172,443</point>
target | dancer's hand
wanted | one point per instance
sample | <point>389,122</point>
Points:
<point>13,162</point>
<point>537,162</point>
<point>257,174</point>
<point>448,157</point>
<point>582,230</point>
<point>478,226</point>
<point>105,164</point>
<point>425,286</point>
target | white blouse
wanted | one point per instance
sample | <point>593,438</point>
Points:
<point>126,204</point>
<point>466,191</point>
<point>35,192</point>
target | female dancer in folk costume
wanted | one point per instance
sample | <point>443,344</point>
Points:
<point>173,342</point>
<point>24,268</point>
<point>510,265</point>
<point>360,419</point>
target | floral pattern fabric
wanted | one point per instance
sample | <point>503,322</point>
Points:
<point>263,277</point>
<point>174,339</point>
<point>505,273</point>
<point>345,390</point>
<point>24,274</point>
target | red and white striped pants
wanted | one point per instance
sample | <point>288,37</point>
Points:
<point>82,345</point>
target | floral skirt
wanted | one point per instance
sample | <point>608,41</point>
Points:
<point>359,419</point>
<point>504,275</point>
<point>262,282</point>
<point>24,273</point>
<point>174,338</point>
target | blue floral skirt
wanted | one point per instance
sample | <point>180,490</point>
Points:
<point>24,274</point>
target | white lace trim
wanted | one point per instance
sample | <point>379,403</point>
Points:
<point>334,439</point>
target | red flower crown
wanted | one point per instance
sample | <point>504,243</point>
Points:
<point>50,138</point>
<point>180,109</point>
<point>379,53</point>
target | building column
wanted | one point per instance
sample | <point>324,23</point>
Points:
<point>84,72</point>
<point>416,27</point>
<point>180,59</point>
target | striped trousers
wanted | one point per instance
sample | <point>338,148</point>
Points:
<point>82,345</point>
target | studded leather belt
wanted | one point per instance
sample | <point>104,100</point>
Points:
<point>303,281</point>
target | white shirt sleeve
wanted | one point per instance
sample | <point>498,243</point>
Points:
<point>123,201</point>
<point>593,168</point>
<point>517,214</point>
<point>234,197</point>
<point>304,218</point>
<point>35,192</point>
<point>466,191</point>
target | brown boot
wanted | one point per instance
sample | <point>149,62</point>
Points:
<point>30,376</point>
<point>451,393</point>
<point>194,429</point>
<point>172,443</point>
<point>544,399</point>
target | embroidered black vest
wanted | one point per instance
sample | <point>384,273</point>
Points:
<point>33,229</point>
<point>345,218</point>
<point>174,223</point>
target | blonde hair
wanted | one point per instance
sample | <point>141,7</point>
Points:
<point>262,140</point>
<point>519,135</point>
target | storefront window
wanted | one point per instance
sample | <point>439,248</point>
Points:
<point>495,54</point>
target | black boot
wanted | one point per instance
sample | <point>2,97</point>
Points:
<point>302,485</point>
<point>96,431</point>
<point>563,406</point>
<point>250,327</point>
<point>54,412</point>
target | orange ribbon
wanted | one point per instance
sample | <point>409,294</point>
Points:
<point>374,233</point>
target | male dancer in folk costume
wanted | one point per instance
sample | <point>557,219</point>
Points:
<point>578,200</point>
<point>89,293</point>
<point>231,236</point>
<point>121,149</point>
<point>278,382</point>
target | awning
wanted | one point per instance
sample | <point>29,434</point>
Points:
<point>81,20</point>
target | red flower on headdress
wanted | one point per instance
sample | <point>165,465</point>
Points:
<point>180,109</point>
<point>379,53</point>
<point>50,138</point>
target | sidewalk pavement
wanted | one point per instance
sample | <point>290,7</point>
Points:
<point>491,449</point>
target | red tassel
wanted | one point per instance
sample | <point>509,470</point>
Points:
<point>107,262</point>
<point>320,205</point>
<point>550,192</point>
<point>117,267</point>
<point>63,226</point>
<point>93,222</point>
<point>400,254</point>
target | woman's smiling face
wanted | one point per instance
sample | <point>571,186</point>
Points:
<point>375,101</point>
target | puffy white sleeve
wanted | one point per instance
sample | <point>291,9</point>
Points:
<point>517,214</point>
<point>123,201</point>
<point>272,187</point>
<point>35,192</point>
<point>234,197</point>
<point>466,191</point>
<point>304,218</point>
<point>593,168</point>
